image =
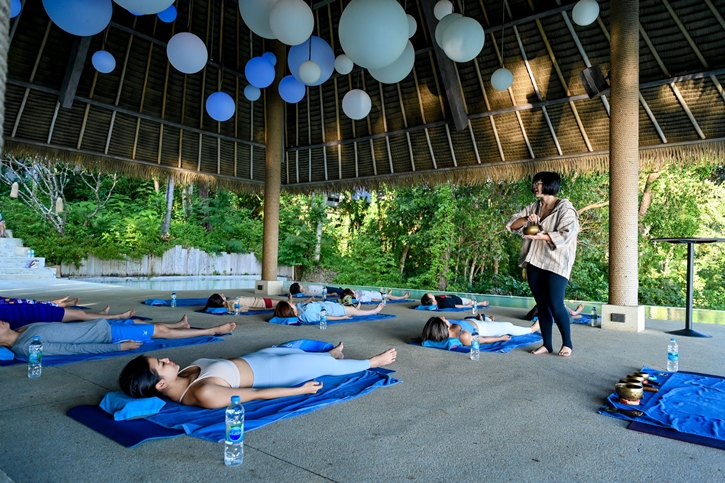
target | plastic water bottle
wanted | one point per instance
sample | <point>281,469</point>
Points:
<point>474,307</point>
<point>35,358</point>
<point>234,442</point>
<point>594,322</point>
<point>323,318</point>
<point>475,345</point>
<point>324,293</point>
<point>673,356</point>
<point>237,306</point>
<point>173,298</point>
<point>384,296</point>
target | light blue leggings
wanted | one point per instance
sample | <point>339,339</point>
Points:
<point>285,367</point>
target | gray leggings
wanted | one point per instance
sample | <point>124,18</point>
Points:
<point>285,367</point>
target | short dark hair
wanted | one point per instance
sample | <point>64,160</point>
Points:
<point>284,309</point>
<point>294,289</point>
<point>550,182</point>
<point>427,299</point>
<point>214,301</point>
<point>138,380</point>
<point>435,330</point>
<point>349,291</point>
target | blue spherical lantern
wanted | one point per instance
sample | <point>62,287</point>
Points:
<point>291,90</point>
<point>15,8</point>
<point>322,54</point>
<point>252,93</point>
<point>80,17</point>
<point>220,106</point>
<point>259,72</point>
<point>168,15</point>
<point>270,57</point>
<point>103,61</point>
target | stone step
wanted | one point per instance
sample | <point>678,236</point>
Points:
<point>27,273</point>
<point>20,262</point>
<point>10,242</point>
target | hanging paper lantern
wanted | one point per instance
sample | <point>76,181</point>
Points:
<point>168,15</point>
<point>252,93</point>
<point>443,25</point>
<point>220,106</point>
<point>144,7</point>
<point>255,14</point>
<point>463,39</point>
<point>291,90</point>
<point>412,26</point>
<point>343,64</point>
<point>373,33</point>
<point>585,12</point>
<point>309,72</point>
<point>356,104</point>
<point>14,190</point>
<point>259,72</point>
<point>80,17</point>
<point>442,8</point>
<point>15,8</point>
<point>103,61</point>
<point>270,57</point>
<point>502,79</point>
<point>322,54</point>
<point>398,70</point>
<point>291,21</point>
<point>187,52</point>
<point>59,205</point>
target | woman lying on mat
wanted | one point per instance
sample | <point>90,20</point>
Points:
<point>314,290</point>
<point>372,295</point>
<point>18,315</point>
<point>449,301</point>
<point>98,336</point>
<point>245,303</point>
<point>62,302</point>
<point>309,312</point>
<point>266,374</point>
<point>438,329</point>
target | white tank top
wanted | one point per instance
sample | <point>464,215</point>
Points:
<point>221,368</point>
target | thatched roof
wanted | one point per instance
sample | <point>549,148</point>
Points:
<point>146,117</point>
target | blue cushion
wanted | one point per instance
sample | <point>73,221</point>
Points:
<point>427,307</point>
<point>155,302</point>
<point>216,310</point>
<point>447,344</point>
<point>125,407</point>
<point>308,345</point>
<point>284,320</point>
<point>6,354</point>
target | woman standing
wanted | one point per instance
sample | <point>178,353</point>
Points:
<point>548,255</point>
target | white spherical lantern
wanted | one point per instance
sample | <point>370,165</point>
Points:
<point>103,61</point>
<point>291,21</point>
<point>398,70</point>
<point>145,6</point>
<point>252,93</point>
<point>220,106</point>
<point>442,8</point>
<point>463,39</point>
<point>291,90</point>
<point>412,26</point>
<point>443,25</point>
<point>373,33</point>
<point>255,14</point>
<point>343,64</point>
<point>310,72</point>
<point>187,52</point>
<point>502,79</point>
<point>356,104</point>
<point>585,12</point>
<point>15,7</point>
<point>80,17</point>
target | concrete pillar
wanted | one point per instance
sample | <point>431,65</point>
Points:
<point>274,153</point>
<point>623,311</point>
<point>4,46</point>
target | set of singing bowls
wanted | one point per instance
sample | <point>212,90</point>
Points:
<point>532,230</point>
<point>629,391</point>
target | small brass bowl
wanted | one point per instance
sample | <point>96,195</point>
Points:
<point>630,380</point>
<point>642,374</point>
<point>630,392</point>
<point>639,378</point>
<point>532,230</point>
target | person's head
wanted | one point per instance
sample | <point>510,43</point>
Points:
<point>216,300</point>
<point>428,299</point>
<point>285,309</point>
<point>147,376</point>
<point>348,291</point>
<point>7,335</point>
<point>437,329</point>
<point>546,182</point>
<point>295,288</point>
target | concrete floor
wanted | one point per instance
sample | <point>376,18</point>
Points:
<point>509,417</point>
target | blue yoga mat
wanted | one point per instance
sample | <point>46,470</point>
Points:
<point>401,301</point>
<point>153,345</point>
<point>356,318</point>
<point>501,346</point>
<point>223,311</point>
<point>436,309</point>
<point>188,302</point>
<point>689,406</point>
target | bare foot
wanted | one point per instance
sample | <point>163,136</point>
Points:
<point>181,324</point>
<point>358,305</point>
<point>60,300</point>
<point>337,352</point>
<point>483,304</point>
<point>579,308</point>
<point>223,329</point>
<point>106,310</point>
<point>565,351</point>
<point>540,350</point>
<point>387,357</point>
<point>406,295</point>
<point>70,303</point>
<point>535,327</point>
<point>376,309</point>
<point>123,315</point>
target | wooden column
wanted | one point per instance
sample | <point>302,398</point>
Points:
<point>4,46</point>
<point>274,131</point>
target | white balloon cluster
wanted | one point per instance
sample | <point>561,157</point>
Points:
<point>289,21</point>
<point>461,38</point>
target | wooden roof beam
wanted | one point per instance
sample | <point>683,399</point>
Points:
<point>76,61</point>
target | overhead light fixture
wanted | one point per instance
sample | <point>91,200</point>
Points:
<point>593,81</point>
<point>502,78</point>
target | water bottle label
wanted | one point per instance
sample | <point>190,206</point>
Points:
<point>475,345</point>
<point>673,356</point>
<point>235,434</point>
<point>35,358</point>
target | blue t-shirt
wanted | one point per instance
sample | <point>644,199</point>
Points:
<point>309,312</point>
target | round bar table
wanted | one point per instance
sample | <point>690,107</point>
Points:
<point>688,331</point>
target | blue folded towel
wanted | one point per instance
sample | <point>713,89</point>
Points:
<point>357,318</point>
<point>187,302</point>
<point>501,346</point>
<point>124,407</point>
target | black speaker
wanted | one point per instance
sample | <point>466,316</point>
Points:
<point>593,81</point>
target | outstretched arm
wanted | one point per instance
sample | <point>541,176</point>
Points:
<point>214,396</point>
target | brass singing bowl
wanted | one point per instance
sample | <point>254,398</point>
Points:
<point>532,230</point>
<point>631,380</point>
<point>640,379</point>
<point>630,392</point>
<point>642,374</point>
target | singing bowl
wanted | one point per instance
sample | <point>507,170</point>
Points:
<point>631,380</point>
<point>532,230</point>
<point>639,378</point>
<point>642,374</point>
<point>631,392</point>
